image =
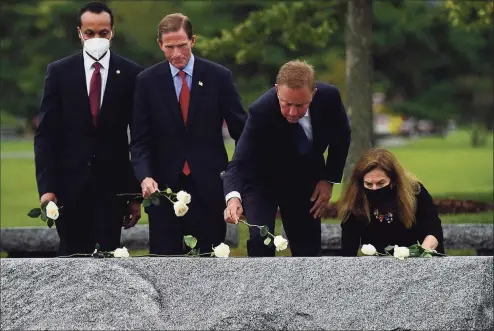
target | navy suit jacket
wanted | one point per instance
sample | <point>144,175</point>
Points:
<point>161,141</point>
<point>267,150</point>
<point>67,146</point>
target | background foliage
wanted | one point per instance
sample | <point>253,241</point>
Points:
<point>431,58</point>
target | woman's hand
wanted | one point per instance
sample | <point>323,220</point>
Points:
<point>430,242</point>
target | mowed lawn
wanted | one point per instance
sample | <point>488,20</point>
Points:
<point>447,167</point>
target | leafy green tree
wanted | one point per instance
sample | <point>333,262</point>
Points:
<point>34,33</point>
<point>275,33</point>
<point>471,14</point>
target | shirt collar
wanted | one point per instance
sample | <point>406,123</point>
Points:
<point>189,68</point>
<point>89,61</point>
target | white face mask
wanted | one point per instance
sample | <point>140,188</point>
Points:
<point>96,47</point>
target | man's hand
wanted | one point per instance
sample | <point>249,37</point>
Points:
<point>48,197</point>
<point>133,215</point>
<point>148,186</point>
<point>321,196</point>
<point>233,211</point>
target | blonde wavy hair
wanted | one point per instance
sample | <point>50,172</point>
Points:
<point>406,186</point>
<point>296,74</point>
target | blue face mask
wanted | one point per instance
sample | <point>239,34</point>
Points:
<point>383,195</point>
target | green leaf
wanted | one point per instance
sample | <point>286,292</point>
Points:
<point>426,255</point>
<point>155,201</point>
<point>267,241</point>
<point>34,213</point>
<point>414,251</point>
<point>190,241</point>
<point>44,204</point>
<point>44,218</point>
<point>194,252</point>
<point>264,231</point>
<point>146,203</point>
<point>50,222</point>
<point>388,248</point>
<point>97,246</point>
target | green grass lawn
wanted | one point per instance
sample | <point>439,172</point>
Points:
<point>450,167</point>
<point>447,167</point>
<point>17,146</point>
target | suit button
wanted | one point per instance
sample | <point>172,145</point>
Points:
<point>89,163</point>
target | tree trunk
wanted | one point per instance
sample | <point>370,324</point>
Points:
<point>359,79</point>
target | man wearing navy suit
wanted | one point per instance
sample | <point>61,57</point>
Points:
<point>279,160</point>
<point>81,144</point>
<point>177,141</point>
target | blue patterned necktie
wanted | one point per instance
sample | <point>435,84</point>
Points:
<point>303,143</point>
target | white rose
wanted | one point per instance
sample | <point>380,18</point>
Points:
<point>180,208</point>
<point>280,243</point>
<point>401,252</point>
<point>121,252</point>
<point>183,196</point>
<point>368,249</point>
<point>52,210</point>
<point>222,250</point>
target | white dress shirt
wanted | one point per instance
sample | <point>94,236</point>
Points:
<point>89,69</point>
<point>306,125</point>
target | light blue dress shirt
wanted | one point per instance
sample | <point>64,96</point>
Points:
<point>177,81</point>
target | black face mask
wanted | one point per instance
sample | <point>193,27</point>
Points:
<point>383,195</point>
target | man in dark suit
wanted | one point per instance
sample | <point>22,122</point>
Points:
<point>279,160</point>
<point>177,141</point>
<point>81,144</point>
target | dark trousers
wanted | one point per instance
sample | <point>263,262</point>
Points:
<point>302,230</point>
<point>204,220</point>
<point>93,217</point>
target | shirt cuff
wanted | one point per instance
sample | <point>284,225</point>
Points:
<point>233,194</point>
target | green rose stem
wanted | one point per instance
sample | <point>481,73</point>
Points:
<point>162,193</point>
<point>146,255</point>
<point>258,226</point>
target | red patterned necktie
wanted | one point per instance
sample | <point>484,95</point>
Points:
<point>184,106</point>
<point>95,92</point>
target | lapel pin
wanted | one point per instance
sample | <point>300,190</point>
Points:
<point>200,83</point>
<point>118,72</point>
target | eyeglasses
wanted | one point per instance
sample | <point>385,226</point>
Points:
<point>286,104</point>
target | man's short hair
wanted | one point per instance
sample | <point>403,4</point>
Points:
<point>95,7</point>
<point>296,74</point>
<point>173,23</point>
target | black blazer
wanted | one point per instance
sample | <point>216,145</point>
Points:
<point>160,140</point>
<point>267,149</point>
<point>67,146</point>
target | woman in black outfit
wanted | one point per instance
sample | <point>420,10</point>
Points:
<point>385,205</point>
